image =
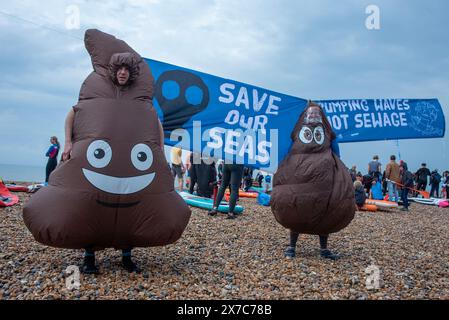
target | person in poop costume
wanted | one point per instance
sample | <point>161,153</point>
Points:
<point>114,188</point>
<point>312,190</point>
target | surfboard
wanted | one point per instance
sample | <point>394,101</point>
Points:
<point>206,203</point>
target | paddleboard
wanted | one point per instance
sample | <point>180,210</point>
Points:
<point>259,189</point>
<point>369,207</point>
<point>32,188</point>
<point>16,187</point>
<point>206,203</point>
<point>6,198</point>
<point>431,201</point>
<point>243,194</point>
<point>382,204</point>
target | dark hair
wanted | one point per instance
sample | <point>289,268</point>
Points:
<point>326,124</point>
<point>393,157</point>
<point>128,60</point>
<point>56,139</point>
<point>423,164</point>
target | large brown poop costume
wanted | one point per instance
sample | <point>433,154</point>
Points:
<point>312,190</point>
<point>116,190</point>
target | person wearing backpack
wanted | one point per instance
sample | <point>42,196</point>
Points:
<point>435,179</point>
<point>407,182</point>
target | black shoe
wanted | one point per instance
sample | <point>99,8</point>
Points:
<point>290,252</point>
<point>89,266</point>
<point>212,212</point>
<point>404,209</point>
<point>327,254</point>
<point>129,265</point>
<point>231,216</point>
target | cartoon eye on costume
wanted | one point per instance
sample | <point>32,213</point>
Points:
<point>318,135</point>
<point>99,154</point>
<point>141,157</point>
<point>305,135</point>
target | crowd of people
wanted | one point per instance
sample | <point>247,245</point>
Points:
<point>204,174</point>
<point>396,182</point>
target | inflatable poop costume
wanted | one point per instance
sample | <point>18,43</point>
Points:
<point>116,190</point>
<point>312,190</point>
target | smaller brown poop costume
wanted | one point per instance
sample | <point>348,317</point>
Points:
<point>312,190</point>
<point>116,190</point>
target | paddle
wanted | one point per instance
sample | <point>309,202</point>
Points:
<point>425,194</point>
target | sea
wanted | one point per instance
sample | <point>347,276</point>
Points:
<point>22,173</point>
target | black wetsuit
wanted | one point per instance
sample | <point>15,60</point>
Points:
<point>422,178</point>
<point>203,175</point>
<point>435,180</point>
<point>232,176</point>
<point>52,162</point>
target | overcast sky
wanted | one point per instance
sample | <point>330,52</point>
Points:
<point>309,49</point>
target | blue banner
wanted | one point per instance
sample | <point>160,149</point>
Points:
<point>356,120</point>
<point>241,123</point>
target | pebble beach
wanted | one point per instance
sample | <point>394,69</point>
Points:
<point>243,258</point>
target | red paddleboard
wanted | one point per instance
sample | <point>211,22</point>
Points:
<point>16,188</point>
<point>6,198</point>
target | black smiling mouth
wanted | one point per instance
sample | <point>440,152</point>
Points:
<point>117,205</point>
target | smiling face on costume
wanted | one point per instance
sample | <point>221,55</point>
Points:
<point>112,159</point>
<point>99,155</point>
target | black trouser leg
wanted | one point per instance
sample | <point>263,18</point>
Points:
<point>51,165</point>
<point>325,252</point>
<point>224,183</point>
<point>126,252</point>
<point>236,177</point>
<point>128,264</point>
<point>192,174</point>
<point>404,196</point>
<point>89,253</point>
<point>293,239</point>
<point>89,266</point>
<point>421,185</point>
<point>290,252</point>
<point>434,190</point>
<point>323,241</point>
